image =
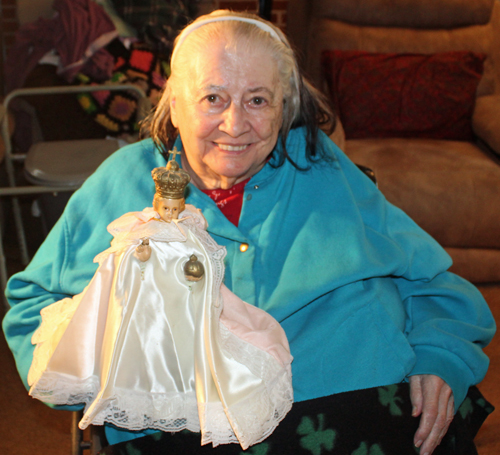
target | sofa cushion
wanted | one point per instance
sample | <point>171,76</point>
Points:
<point>404,95</point>
<point>486,121</point>
<point>433,181</point>
<point>407,13</point>
<point>478,265</point>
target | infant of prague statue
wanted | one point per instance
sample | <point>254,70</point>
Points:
<point>157,341</point>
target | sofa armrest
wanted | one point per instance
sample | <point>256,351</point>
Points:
<point>486,121</point>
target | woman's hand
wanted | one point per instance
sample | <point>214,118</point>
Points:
<point>431,398</point>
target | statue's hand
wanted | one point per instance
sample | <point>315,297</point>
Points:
<point>143,251</point>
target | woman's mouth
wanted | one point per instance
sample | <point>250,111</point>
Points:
<point>232,148</point>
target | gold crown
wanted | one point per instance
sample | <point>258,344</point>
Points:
<point>170,181</point>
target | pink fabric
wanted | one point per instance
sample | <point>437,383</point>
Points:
<point>255,326</point>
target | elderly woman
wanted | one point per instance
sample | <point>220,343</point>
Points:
<point>363,293</point>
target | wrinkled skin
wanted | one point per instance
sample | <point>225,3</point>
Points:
<point>432,399</point>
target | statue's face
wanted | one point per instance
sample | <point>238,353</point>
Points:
<point>169,209</point>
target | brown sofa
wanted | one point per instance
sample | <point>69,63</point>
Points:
<point>450,187</point>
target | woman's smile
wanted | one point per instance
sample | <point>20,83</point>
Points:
<point>232,148</point>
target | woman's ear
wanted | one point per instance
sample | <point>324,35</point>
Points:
<point>173,112</point>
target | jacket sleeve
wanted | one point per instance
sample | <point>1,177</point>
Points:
<point>448,325</point>
<point>448,322</point>
<point>30,291</point>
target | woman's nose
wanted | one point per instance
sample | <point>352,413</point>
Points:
<point>235,121</point>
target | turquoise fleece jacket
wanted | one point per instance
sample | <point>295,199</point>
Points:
<point>361,291</point>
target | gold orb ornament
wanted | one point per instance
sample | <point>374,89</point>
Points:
<point>193,269</point>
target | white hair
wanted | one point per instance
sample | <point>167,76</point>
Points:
<point>236,28</point>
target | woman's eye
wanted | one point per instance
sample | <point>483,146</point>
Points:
<point>212,98</point>
<point>213,101</point>
<point>258,101</point>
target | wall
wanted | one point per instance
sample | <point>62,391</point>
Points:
<point>9,21</point>
<point>8,27</point>
<point>31,10</point>
<point>15,12</point>
<point>23,11</point>
<point>278,15</point>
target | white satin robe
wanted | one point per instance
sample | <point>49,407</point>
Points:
<point>144,348</point>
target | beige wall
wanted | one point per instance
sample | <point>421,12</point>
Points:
<point>31,10</point>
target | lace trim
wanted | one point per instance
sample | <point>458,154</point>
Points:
<point>131,410</point>
<point>260,413</point>
<point>135,411</point>
<point>216,255</point>
<point>58,388</point>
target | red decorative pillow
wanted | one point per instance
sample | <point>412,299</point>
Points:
<point>404,95</point>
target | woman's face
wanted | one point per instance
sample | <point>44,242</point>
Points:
<point>229,112</point>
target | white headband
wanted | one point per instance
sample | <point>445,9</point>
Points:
<point>195,25</point>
